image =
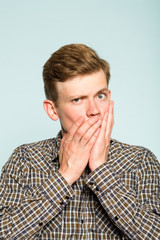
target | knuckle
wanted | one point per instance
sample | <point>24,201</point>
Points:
<point>86,137</point>
<point>91,121</point>
<point>71,147</point>
<point>77,123</point>
<point>90,143</point>
<point>69,132</point>
<point>79,133</point>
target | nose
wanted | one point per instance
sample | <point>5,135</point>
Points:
<point>92,109</point>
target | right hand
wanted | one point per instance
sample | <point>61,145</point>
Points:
<point>76,146</point>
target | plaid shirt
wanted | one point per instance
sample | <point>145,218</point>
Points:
<point>118,200</point>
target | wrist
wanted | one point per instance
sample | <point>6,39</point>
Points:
<point>67,176</point>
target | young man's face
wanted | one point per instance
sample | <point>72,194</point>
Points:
<point>85,96</point>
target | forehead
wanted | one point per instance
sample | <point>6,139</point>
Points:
<point>82,85</point>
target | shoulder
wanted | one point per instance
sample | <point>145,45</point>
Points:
<point>131,148</point>
<point>27,153</point>
<point>35,147</point>
<point>140,156</point>
<point>40,145</point>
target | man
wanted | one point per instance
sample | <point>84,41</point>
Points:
<point>81,184</point>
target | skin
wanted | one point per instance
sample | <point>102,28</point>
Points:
<point>85,111</point>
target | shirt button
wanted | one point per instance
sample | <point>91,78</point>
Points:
<point>97,189</point>
<point>61,203</point>
<point>154,211</point>
<point>82,221</point>
<point>67,197</point>
<point>41,224</point>
<point>116,218</point>
<point>91,183</point>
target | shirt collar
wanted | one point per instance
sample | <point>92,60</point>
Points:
<point>56,145</point>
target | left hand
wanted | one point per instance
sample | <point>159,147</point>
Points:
<point>101,147</point>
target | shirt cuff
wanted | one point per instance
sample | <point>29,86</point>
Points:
<point>39,207</point>
<point>103,178</point>
<point>56,189</point>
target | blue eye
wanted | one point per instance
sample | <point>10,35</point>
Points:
<point>101,96</point>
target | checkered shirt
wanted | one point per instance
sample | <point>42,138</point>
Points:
<point>118,200</point>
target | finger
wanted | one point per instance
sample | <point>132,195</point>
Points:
<point>83,129</point>
<point>93,139</point>
<point>103,127</point>
<point>62,143</point>
<point>110,122</point>
<point>72,130</point>
<point>60,152</point>
<point>90,132</point>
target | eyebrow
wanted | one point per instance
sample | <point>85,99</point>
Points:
<point>102,90</point>
<point>84,96</point>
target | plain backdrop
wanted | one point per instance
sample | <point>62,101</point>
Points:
<point>124,32</point>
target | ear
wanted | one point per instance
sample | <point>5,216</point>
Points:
<point>50,109</point>
<point>109,94</point>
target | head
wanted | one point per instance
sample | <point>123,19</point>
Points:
<point>68,62</point>
<point>67,68</point>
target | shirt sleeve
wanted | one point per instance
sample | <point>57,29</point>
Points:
<point>136,212</point>
<point>21,216</point>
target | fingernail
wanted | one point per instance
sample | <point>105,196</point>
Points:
<point>93,119</point>
<point>99,121</point>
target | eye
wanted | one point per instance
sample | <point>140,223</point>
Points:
<point>101,96</point>
<point>76,100</point>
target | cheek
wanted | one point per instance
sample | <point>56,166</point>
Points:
<point>72,116</point>
<point>104,108</point>
<point>69,116</point>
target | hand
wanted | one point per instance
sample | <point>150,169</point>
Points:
<point>76,146</point>
<point>101,147</point>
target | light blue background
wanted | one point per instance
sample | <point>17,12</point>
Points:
<point>124,32</point>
